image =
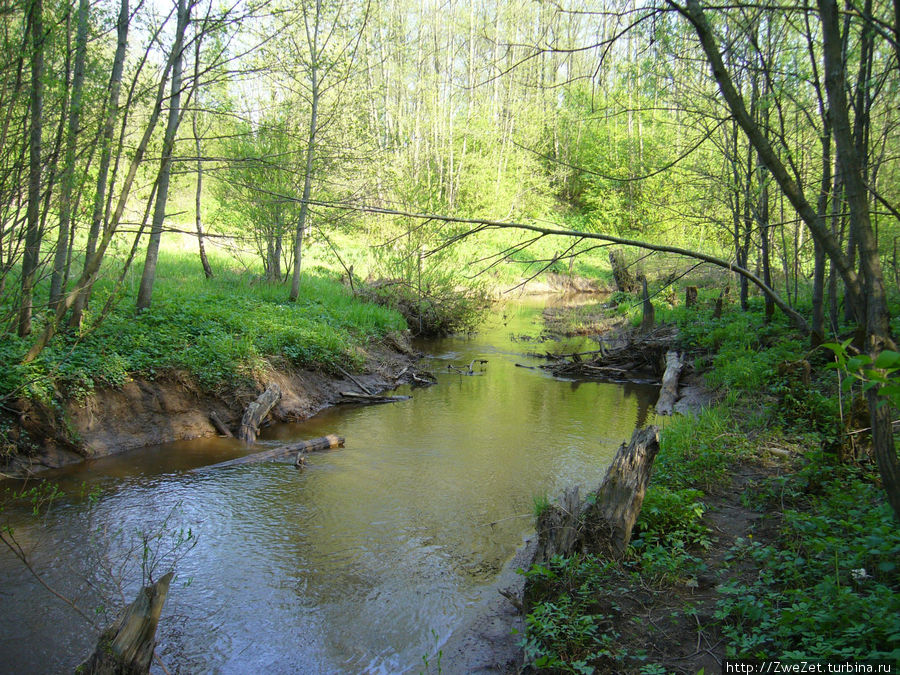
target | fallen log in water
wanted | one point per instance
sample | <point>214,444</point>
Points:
<point>127,645</point>
<point>256,412</point>
<point>323,443</point>
<point>668,393</point>
<point>353,397</point>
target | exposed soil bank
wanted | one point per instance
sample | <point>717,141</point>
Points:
<point>174,407</point>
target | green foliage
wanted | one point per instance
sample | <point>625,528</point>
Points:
<point>540,504</point>
<point>668,533</point>
<point>696,452</point>
<point>877,372</point>
<point>829,588</point>
<point>567,634</point>
<point>218,330</point>
<point>744,349</point>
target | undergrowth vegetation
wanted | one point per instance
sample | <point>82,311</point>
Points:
<point>822,579</point>
<point>829,586</point>
<point>218,330</point>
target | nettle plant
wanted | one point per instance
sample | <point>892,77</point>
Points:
<point>871,372</point>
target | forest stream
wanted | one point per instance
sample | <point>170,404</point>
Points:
<point>365,562</point>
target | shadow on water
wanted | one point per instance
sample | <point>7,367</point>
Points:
<point>353,565</point>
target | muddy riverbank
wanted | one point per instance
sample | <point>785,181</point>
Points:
<point>173,406</point>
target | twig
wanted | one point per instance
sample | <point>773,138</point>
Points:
<point>17,551</point>
<point>160,662</point>
<point>355,381</point>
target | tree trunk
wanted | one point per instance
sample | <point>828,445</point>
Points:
<point>329,442</point>
<point>148,277</point>
<point>668,392</point>
<point>109,125</point>
<point>32,228</point>
<point>198,218</point>
<point>690,296</point>
<point>877,322</point>
<point>648,316</point>
<point>68,176</point>
<point>310,152</point>
<point>625,281</point>
<point>126,647</point>
<point>818,291</point>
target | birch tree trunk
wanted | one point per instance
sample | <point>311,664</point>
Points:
<point>145,293</point>
<point>313,43</point>
<point>112,113</point>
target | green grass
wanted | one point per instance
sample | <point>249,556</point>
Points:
<point>218,330</point>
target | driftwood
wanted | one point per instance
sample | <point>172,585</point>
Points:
<point>604,523</point>
<point>668,392</point>
<point>323,443</point>
<point>423,378</point>
<point>641,356</point>
<point>353,397</point>
<point>256,412</point>
<point>219,425</point>
<point>363,388</point>
<point>127,645</point>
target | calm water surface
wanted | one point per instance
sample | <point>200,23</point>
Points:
<point>363,563</point>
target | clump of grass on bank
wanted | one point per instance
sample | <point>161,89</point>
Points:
<point>219,330</point>
<point>823,582</point>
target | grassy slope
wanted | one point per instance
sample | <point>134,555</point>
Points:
<point>799,559</point>
<point>218,330</point>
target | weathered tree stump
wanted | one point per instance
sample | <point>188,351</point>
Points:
<point>648,318</point>
<point>617,504</point>
<point>322,443</point>
<point>603,524</point>
<point>719,306</point>
<point>558,526</point>
<point>625,281</point>
<point>256,412</point>
<point>668,392</point>
<point>690,296</point>
<point>126,647</point>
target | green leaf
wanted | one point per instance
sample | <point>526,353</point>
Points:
<point>887,359</point>
<point>857,362</point>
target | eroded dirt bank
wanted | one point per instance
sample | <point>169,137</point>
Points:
<point>173,406</point>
